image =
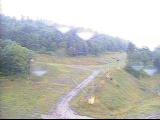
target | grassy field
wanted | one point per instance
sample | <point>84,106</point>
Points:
<point>29,98</point>
<point>123,97</point>
<point>23,98</point>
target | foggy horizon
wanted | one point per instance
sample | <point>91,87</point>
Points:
<point>80,59</point>
<point>133,21</point>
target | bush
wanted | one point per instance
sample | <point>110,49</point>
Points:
<point>137,74</point>
<point>157,58</point>
<point>14,59</point>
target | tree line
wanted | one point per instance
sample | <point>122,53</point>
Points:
<point>19,37</point>
<point>143,57</point>
<point>14,59</point>
<point>38,36</point>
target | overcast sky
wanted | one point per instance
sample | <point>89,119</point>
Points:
<point>134,20</point>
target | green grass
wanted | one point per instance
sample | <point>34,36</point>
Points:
<point>151,83</point>
<point>122,97</point>
<point>83,60</point>
<point>29,98</point>
<point>23,98</point>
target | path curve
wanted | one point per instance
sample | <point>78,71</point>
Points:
<point>63,110</point>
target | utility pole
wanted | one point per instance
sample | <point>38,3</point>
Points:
<point>29,71</point>
<point>107,66</point>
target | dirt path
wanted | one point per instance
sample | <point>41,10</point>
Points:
<point>63,110</point>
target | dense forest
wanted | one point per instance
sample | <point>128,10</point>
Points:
<point>156,57</point>
<point>142,57</point>
<point>14,59</point>
<point>39,36</point>
<point>19,37</point>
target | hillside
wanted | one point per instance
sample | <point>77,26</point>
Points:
<point>42,37</point>
<point>123,97</point>
<point>42,67</point>
<point>31,97</point>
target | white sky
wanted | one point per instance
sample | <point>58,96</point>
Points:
<point>85,35</point>
<point>135,20</point>
<point>63,29</point>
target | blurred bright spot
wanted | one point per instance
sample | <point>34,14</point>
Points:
<point>85,35</point>
<point>63,29</point>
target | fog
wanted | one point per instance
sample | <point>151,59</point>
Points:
<point>135,20</point>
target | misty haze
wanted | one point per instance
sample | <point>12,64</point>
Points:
<point>79,59</point>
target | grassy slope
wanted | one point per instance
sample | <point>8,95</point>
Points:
<point>123,97</point>
<point>22,98</point>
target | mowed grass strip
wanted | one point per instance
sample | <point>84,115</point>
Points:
<point>83,60</point>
